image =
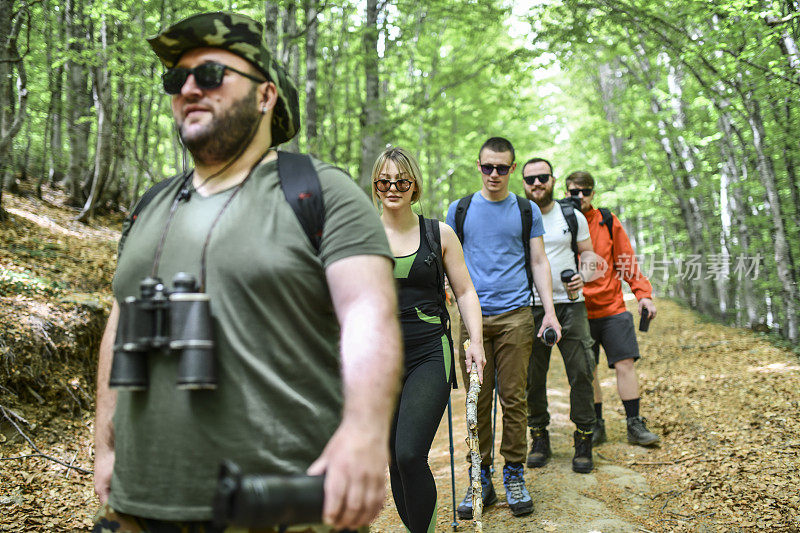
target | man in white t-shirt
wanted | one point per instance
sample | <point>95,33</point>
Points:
<point>568,245</point>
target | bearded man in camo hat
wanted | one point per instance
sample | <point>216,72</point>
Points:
<point>307,344</point>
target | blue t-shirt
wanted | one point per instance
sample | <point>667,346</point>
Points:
<point>493,251</point>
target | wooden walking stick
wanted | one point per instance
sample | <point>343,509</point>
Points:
<point>472,442</point>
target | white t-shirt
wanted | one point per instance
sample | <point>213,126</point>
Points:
<point>558,247</point>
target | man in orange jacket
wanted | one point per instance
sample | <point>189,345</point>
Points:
<point>610,324</point>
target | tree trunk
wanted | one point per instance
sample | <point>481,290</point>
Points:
<point>737,171</point>
<point>56,119</point>
<point>311,13</point>
<point>783,259</point>
<point>105,149</point>
<point>787,42</point>
<point>608,83</point>
<point>13,89</point>
<point>271,26</point>
<point>680,170</point>
<point>371,141</point>
<point>290,53</point>
<point>77,129</point>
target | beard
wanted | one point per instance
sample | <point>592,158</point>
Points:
<point>225,135</point>
<point>545,197</point>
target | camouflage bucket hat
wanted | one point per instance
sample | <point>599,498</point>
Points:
<point>242,36</point>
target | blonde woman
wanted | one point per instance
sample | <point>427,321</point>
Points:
<point>425,250</point>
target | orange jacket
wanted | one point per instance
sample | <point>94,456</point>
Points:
<point>604,295</point>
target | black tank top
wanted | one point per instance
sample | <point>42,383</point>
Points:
<point>419,304</point>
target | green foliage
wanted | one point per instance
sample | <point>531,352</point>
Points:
<point>564,80</point>
<point>24,282</point>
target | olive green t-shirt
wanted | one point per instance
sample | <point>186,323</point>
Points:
<point>279,397</point>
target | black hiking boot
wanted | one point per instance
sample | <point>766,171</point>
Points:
<point>638,432</point>
<point>488,495</point>
<point>599,432</point>
<point>582,461</point>
<point>540,448</point>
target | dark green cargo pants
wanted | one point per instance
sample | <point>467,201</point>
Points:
<point>576,350</point>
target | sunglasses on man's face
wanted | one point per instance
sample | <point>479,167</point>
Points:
<point>206,76</point>
<point>502,170</point>
<point>576,192</point>
<point>402,185</point>
<point>541,178</point>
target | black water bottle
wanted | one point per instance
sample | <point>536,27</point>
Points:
<point>266,501</point>
<point>549,336</point>
<point>644,321</point>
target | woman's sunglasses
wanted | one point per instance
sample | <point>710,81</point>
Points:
<point>206,76</point>
<point>542,178</point>
<point>576,192</point>
<point>502,170</point>
<point>402,185</point>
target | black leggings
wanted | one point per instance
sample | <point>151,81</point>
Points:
<point>422,402</point>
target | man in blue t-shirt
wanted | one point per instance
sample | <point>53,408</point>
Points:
<point>495,257</point>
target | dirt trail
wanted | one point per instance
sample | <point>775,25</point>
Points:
<point>725,401</point>
<point>607,500</point>
<point>727,405</point>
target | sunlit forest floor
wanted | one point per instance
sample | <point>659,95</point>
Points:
<point>724,400</point>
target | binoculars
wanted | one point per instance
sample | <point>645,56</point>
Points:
<point>177,321</point>
<point>265,501</point>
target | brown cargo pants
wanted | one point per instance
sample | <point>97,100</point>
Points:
<point>507,340</point>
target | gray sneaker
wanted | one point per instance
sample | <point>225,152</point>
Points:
<point>639,434</point>
<point>599,432</point>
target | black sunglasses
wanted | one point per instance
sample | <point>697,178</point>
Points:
<point>206,76</point>
<point>576,192</point>
<point>402,185</point>
<point>542,178</point>
<point>502,170</point>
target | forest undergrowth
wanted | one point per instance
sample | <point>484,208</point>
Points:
<point>724,400</point>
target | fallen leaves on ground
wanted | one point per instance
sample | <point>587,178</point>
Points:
<point>725,401</point>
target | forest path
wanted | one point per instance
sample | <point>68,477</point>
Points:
<point>606,500</point>
<point>726,405</point>
<point>725,401</point>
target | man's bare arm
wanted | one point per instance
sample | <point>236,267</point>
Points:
<point>106,402</point>
<point>354,460</point>
<point>543,280</point>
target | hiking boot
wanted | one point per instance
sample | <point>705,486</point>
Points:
<point>488,495</point>
<point>519,501</point>
<point>638,432</point>
<point>582,461</point>
<point>540,448</point>
<point>599,432</point>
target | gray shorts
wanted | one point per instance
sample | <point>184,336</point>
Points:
<point>617,336</point>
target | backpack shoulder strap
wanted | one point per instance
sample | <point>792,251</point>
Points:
<point>526,214</point>
<point>433,239</point>
<point>151,193</point>
<point>461,215</point>
<point>146,198</point>
<point>607,220</point>
<point>568,210</point>
<point>301,187</point>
